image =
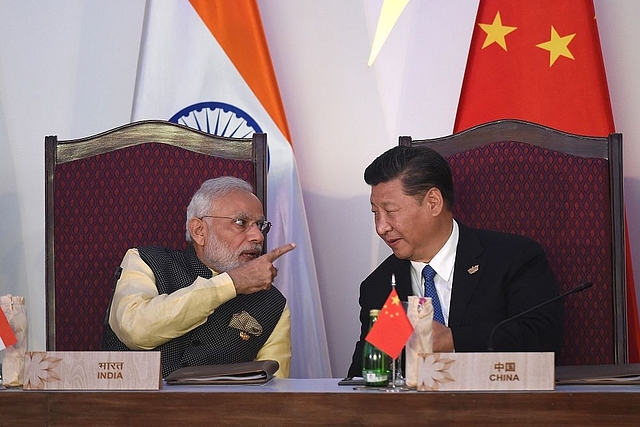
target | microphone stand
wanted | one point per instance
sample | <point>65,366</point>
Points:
<point>509,319</point>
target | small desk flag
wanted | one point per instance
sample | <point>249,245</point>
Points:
<point>7,337</point>
<point>392,330</point>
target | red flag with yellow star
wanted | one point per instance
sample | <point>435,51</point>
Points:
<point>538,61</point>
<point>541,61</point>
<point>392,330</point>
<point>7,336</point>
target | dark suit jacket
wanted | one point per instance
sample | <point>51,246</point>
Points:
<point>512,276</point>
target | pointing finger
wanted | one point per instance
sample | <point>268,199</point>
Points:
<point>276,253</point>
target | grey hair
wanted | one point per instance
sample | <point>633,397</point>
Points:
<point>210,191</point>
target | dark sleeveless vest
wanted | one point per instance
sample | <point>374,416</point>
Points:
<point>214,342</point>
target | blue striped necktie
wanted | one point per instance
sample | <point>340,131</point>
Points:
<point>430,291</point>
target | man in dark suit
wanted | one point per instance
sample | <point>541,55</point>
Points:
<point>481,277</point>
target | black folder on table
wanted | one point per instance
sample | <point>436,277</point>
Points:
<point>599,374</point>
<point>256,372</point>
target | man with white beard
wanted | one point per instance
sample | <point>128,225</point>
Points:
<point>212,304</point>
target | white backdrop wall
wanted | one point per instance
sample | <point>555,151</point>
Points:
<point>68,68</point>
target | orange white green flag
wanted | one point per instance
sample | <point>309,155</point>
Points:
<point>206,64</point>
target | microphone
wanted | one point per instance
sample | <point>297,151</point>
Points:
<point>509,319</point>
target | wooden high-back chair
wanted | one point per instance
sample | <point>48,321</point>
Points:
<point>126,187</point>
<point>565,192</point>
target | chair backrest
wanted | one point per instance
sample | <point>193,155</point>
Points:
<point>123,188</point>
<point>565,192</point>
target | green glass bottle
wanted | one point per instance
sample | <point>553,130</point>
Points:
<point>375,363</point>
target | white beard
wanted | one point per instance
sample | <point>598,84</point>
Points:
<point>220,257</point>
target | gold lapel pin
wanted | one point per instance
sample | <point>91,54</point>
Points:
<point>473,269</point>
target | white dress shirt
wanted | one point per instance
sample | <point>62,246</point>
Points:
<point>443,263</point>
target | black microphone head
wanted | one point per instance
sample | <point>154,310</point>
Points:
<point>585,285</point>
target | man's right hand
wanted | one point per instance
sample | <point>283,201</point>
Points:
<point>442,338</point>
<point>258,274</point>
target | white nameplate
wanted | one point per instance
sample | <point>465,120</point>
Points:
<point>92,370</point>
<point>485,371</point>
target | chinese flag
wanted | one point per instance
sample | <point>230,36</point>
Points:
<point>7,337</point>
<point>392,330</point>
<point>541,61</point>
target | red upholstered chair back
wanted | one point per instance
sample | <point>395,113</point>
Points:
<point>565,192</point>
<point>123,188</point>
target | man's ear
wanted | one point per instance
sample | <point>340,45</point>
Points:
<point>197,229</point>
<point>433,197</point>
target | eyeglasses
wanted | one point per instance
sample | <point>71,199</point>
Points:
<point>243,224</point>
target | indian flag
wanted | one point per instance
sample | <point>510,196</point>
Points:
<point>206,64</point>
